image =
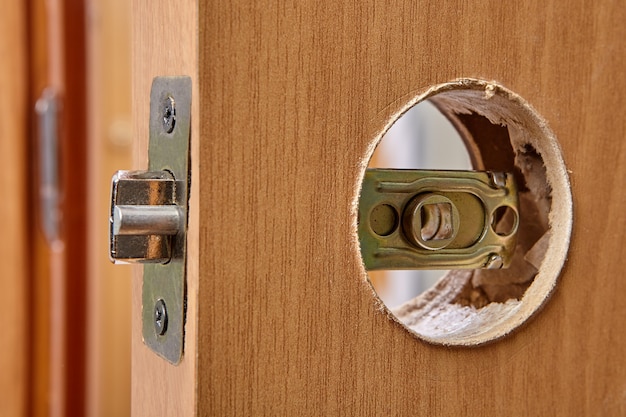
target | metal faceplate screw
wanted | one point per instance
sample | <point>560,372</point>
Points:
<point>160,317</point>
<point>498,179</point>
<point>169,114</point>
<point>494,262</point>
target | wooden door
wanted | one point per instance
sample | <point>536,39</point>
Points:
<point>288,99</point>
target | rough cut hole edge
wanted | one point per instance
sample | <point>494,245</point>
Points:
<point>431,317</point>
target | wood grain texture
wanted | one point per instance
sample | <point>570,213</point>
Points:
<point>14,275</point>
<point>288,100</point>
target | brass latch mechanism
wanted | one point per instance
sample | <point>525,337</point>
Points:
<point>414,219</point>
<point>148,218</point>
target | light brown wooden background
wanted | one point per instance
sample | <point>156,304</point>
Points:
<point>65,335</point>
<point>14,367</point>
<point>108,335</point>
<point>287,98</point>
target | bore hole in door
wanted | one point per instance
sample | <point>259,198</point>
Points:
<point>477,125</point>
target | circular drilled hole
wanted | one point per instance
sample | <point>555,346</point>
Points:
<point>504,221</point>
<point>500,133</point>
<point>384,220</point>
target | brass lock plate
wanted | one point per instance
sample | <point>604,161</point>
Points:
<point>417,219</point>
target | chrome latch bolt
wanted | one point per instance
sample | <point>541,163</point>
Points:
<point>146,220</point>
<point>144,216</point>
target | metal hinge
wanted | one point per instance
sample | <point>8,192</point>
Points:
<point>412,219</point>
<point>148,219</point>
<point>47,109</point>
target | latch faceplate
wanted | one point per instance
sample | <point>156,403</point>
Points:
<point>148,220</point>
<point>414,219</point>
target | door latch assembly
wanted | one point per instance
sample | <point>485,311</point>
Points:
<point>148,218</point>
<point>414,219</point>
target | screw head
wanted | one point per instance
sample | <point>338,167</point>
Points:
<point>169,114</point>
<point>494,262</point>
<point>160,317</point>
<point>498,179</point>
